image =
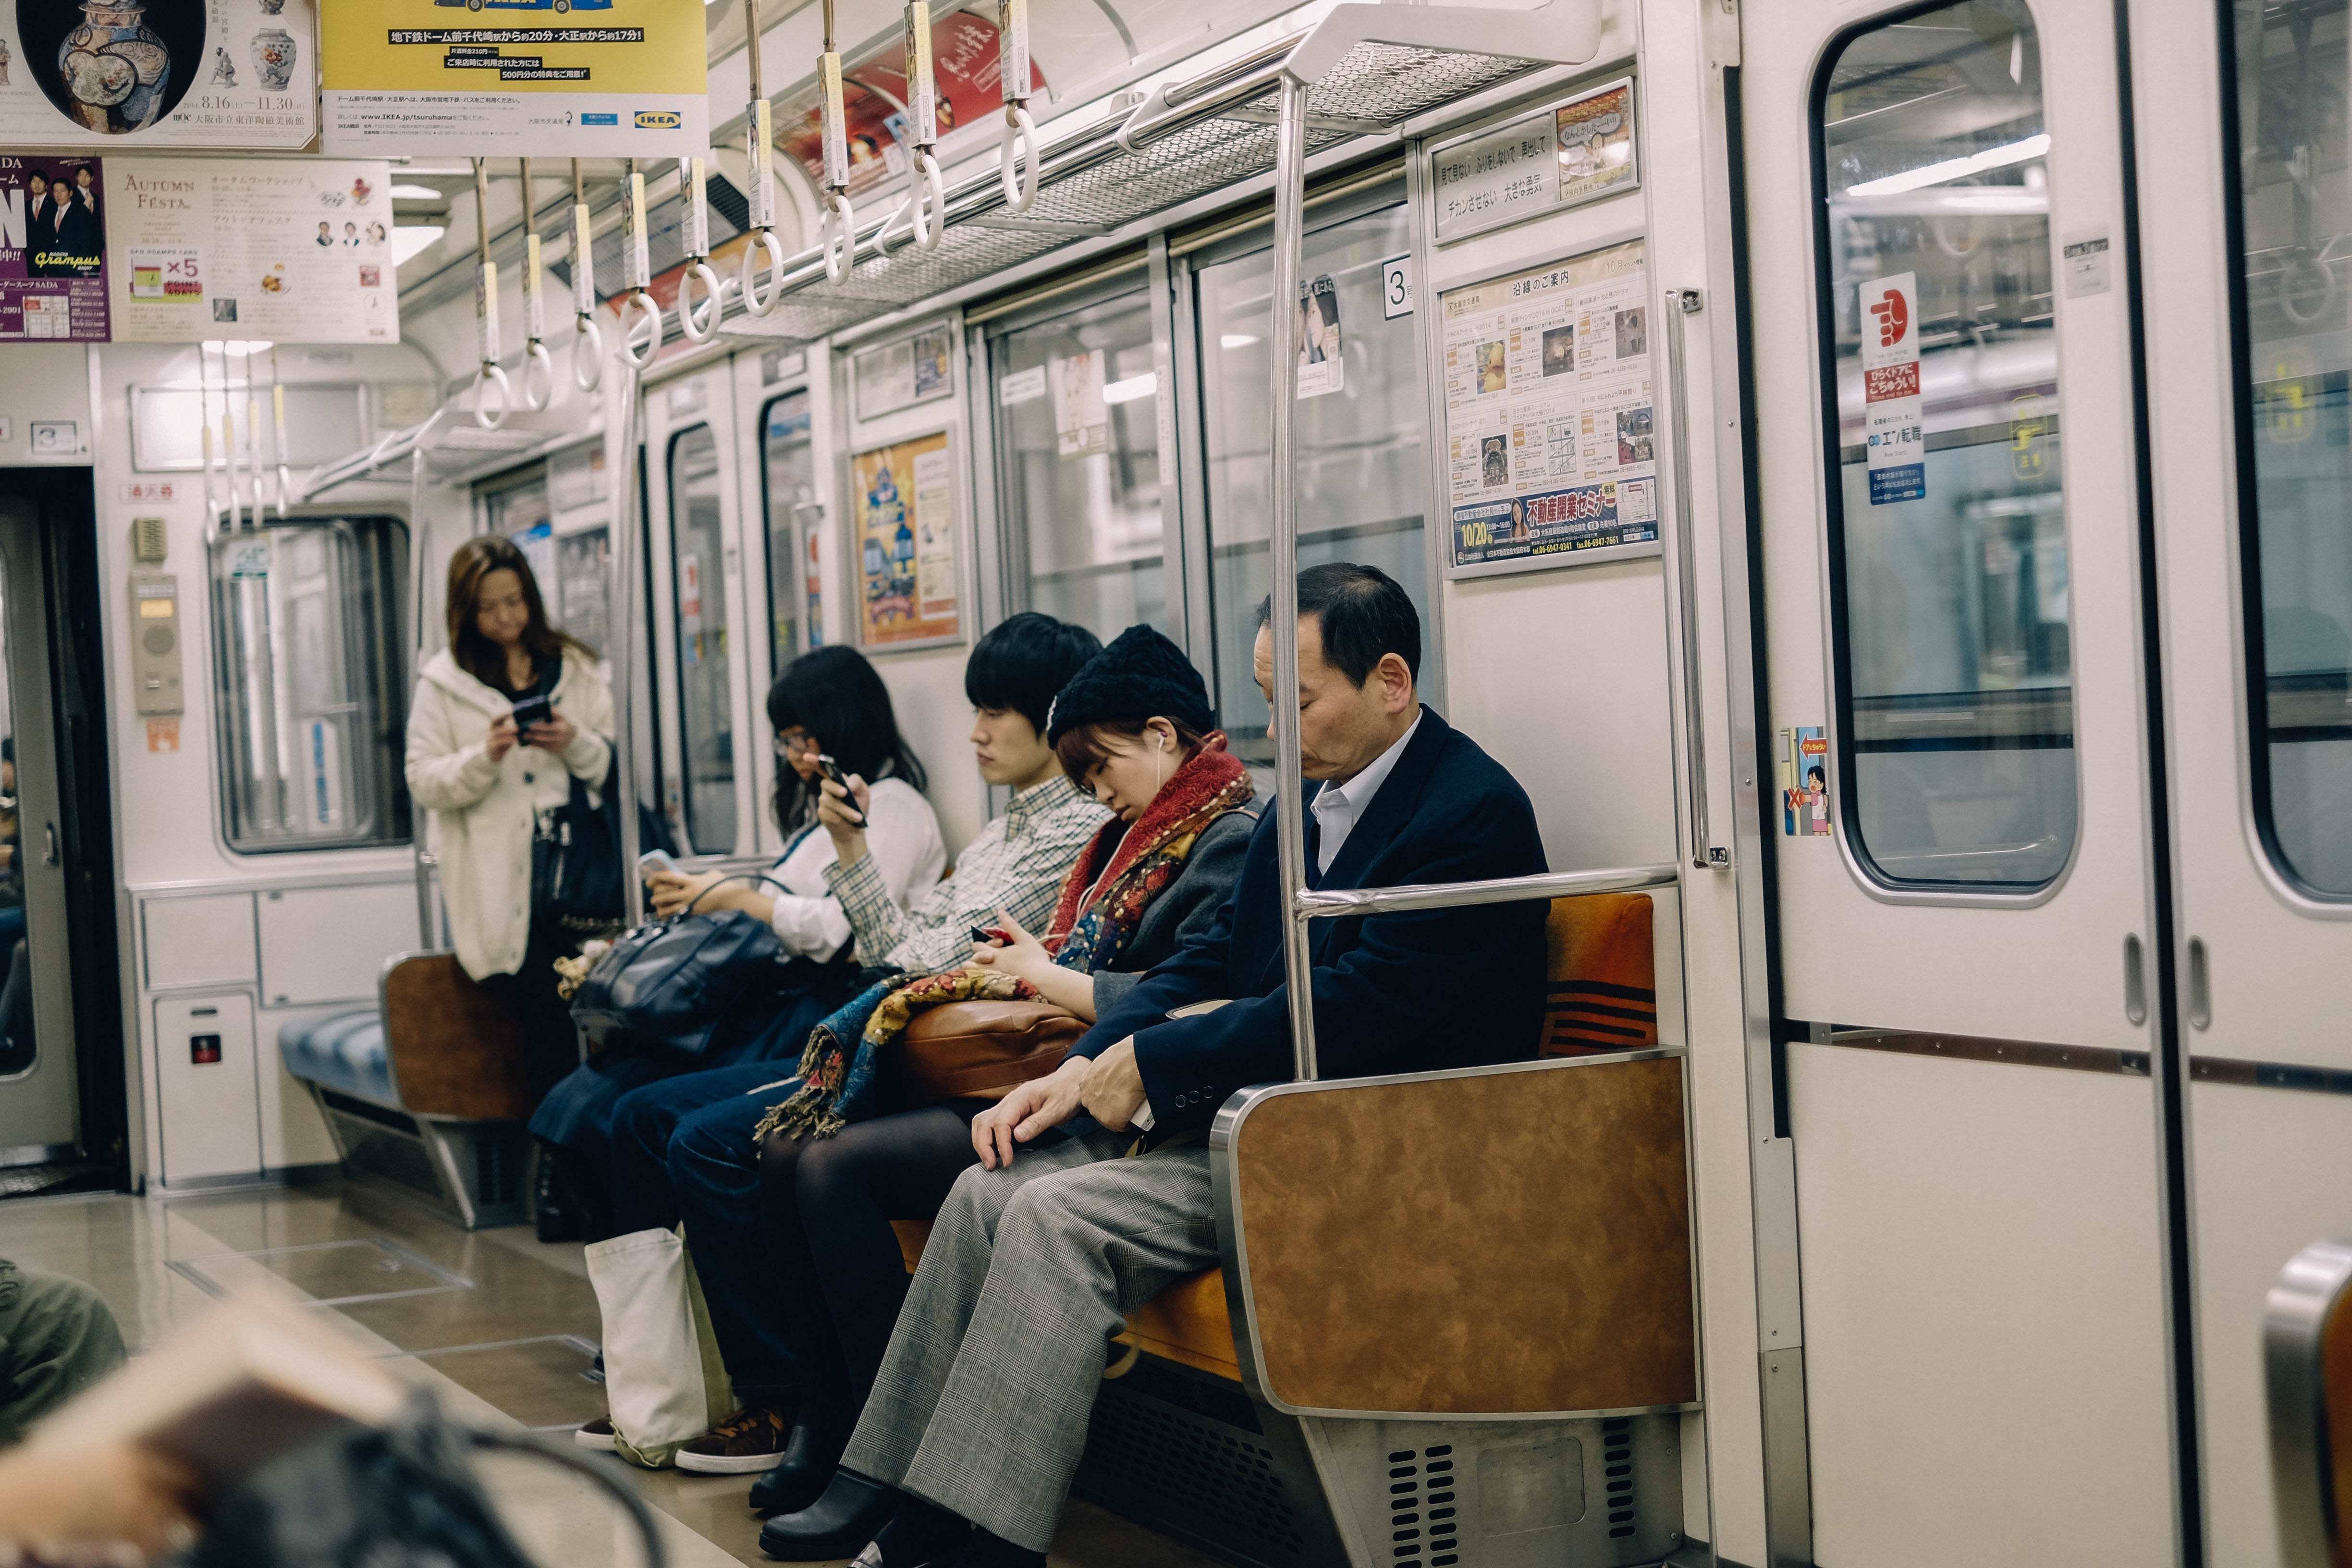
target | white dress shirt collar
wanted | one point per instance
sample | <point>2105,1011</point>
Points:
<point>1340,806</point>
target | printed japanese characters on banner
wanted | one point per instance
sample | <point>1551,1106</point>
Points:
<point>907,542</point>
<point>1894,422</point>
<point>1569,152</point>
<point>591,81</point>
<point>1081,415</point>
<point>294,251</point>
<point>1551,423</point>
<point>903,373</point>
<point>52,250</point>
<point>1322,363</point>
<point>158,73</point>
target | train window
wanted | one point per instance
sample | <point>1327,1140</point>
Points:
<point>307,684</point>
<point>706,695</point>
<point>1078,400</point>
<point>520,509</point>
<point>790,456</point>
<point>1947,529</point>
<point>2295,433</point>
<point>1360,412</point>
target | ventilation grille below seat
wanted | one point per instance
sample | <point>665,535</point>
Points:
<point>1197,1476</point>
<point>1617,1473</point>
<point>1424,1530</point>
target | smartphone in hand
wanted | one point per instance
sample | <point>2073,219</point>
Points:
<point>832,770</point>
<point>533,710</point>
<point>654,861</point>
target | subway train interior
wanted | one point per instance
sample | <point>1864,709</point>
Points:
<point>1877,476</point>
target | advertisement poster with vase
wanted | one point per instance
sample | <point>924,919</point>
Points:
<point>189,75</point>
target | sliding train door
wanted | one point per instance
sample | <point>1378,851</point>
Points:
<point>39,1084</point>
<point>2248,350</point>
<point>1956,781</point>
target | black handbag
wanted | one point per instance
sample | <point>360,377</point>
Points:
<point>403,1494</point>
<point>673,981</point>
<point>575,862</point>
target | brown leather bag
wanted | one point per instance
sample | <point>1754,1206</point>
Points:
<point>967,1050</point>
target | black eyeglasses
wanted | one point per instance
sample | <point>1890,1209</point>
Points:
<point>793,742</point>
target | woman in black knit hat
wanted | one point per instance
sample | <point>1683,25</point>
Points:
<point>1134,725</point>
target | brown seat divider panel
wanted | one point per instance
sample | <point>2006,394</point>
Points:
<point>2336,1388</point>
<point>1504,1242</point>
<point>1601,975</point>
<point>456,1049</point>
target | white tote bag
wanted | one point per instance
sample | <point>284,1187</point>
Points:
<point>662,1371</point>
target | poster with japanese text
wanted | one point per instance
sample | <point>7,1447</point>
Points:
<point>296,251</point>
<point>970,92</point>
<point>1894,420</point>
<point>586,78</point>
<point>183,74</point>
<point>52,250</point>
<point>1550,419</point>
<point>905,507</point>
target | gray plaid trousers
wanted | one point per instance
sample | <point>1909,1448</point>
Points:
<point>982,1401</point>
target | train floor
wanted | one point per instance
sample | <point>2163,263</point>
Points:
<point>502,1326</point>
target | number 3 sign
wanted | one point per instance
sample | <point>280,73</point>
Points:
<point>1396,288</point>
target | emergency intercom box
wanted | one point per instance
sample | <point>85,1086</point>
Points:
<point>155,644</point>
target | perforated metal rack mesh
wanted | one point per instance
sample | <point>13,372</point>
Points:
<point>1102,184</point>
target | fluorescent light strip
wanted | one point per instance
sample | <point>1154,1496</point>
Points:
<point>1133,387</point>
<point>1953,168</point>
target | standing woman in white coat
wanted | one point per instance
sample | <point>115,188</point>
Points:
<point>486,781</point>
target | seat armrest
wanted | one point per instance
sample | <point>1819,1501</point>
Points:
<point>2307,1370</point>
<point>456,1048</point>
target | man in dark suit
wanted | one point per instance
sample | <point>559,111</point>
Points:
<point>975,1426</point>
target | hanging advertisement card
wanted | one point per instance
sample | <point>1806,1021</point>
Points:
<point>1893,424</point>
<point>1595,133</point>
<point>52,250</point>
<point>1322,365</point>
<point>906,543</point>
<point>91,74</point>
<point>966,71</point>
<point>903,373</point>
<point>1081,415</point>
<point>1569,152</point>
<point>297,251</point>
<point>1550,422</point>
<point>593,79</point>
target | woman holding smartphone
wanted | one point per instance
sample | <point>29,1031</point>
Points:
<point>828,703</point>
<point>503,720</point>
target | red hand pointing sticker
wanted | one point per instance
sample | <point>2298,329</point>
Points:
<point>1893,317</point>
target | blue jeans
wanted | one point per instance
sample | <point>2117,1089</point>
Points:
<point>682,1150</point>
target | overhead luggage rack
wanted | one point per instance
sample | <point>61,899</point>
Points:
<point>452,450</point>
<point>1183,140</point>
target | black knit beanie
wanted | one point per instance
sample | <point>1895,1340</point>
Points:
<point>1140,676</point>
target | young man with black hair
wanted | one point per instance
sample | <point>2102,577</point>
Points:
<point>975,1426</point>
<point>684,1148</point>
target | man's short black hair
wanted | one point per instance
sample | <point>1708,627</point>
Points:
<point>1363,613</point>
<point>1023,662</point>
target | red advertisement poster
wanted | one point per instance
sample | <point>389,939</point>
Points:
<point>52,250</point>
<point>964,64</point>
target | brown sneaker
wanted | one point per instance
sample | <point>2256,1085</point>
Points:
<point>746,1441</point>
<point>596,1434</point>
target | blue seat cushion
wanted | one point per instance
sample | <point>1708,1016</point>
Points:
<point>345,1052</point>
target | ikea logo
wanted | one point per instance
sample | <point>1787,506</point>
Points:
<point>656,119</point>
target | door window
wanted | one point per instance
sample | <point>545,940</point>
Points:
<point>789,458</point>
<point>1079,455</point>
<point>2295,431</point>
<point>1946,520</point>
<point>705,696</point>
<point>1357,439</point>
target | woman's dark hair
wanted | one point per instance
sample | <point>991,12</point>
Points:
<point>1082,750</point>
<point>476,655</point>
<point>1363,612</point>
<point>834,695</point>
<point>1023,662</point>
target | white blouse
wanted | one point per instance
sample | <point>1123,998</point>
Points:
<point>902,833</point>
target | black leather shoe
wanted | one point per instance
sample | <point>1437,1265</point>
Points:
<point>557,1219</point>
<point>838,1524</point>
<point>801,1473</point>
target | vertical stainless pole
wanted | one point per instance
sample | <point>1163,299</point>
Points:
<point>621,465</point>
<point>1290,825</point>
<point>417,535</point>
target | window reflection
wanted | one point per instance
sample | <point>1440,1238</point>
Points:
<point>792,579</point>
<point>1951,598</point>
<point>706,708</point>
<point>2297,429</point>
<point>1361,485</point>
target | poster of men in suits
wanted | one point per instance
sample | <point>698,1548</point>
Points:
<point>52,250</point>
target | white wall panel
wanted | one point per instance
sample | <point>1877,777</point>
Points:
<point>201,940</point>
<point>328,945</point>
<point>212,1122</point>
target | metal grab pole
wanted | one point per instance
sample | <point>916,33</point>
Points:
<point>621,464</point>
<point>417,535</point>
<point>1290,823</point>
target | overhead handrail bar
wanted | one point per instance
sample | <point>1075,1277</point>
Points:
<point>534,309</point>
<point>399,444</point>
<point>486,310</point>
<point>1320,903</point>
<point>760,151</point>
<point>587,337</point>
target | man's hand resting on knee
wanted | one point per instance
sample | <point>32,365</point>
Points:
<point>1032,1107</point>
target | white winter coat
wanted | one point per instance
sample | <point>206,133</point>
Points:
<point>484,812</point>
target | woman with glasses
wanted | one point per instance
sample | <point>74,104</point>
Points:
<point>827,703</point>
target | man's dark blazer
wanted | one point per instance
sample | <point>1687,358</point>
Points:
<point>1393,993</point>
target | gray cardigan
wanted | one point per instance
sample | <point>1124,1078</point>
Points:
<point>1184,908</point>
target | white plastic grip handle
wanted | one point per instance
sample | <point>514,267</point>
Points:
<point>929,177</point>
<point>689,328</point>
<point>640,303</point>
<point>753,304</point>
<point>839,224</point>
<point>491,375</point>
<point>587,352</point>
<point>536,357</point>
<point>1019,193</point>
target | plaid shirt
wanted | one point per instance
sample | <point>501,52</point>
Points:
<point>1015,865</point>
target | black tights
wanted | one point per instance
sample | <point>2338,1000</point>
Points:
<point>829,1204</point>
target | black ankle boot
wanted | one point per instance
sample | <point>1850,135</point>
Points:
<point>852,1511</point>
<point>801,1473</point>
<point>557,1219</point>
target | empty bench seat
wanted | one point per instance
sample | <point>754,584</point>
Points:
<point>425,1090</point>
